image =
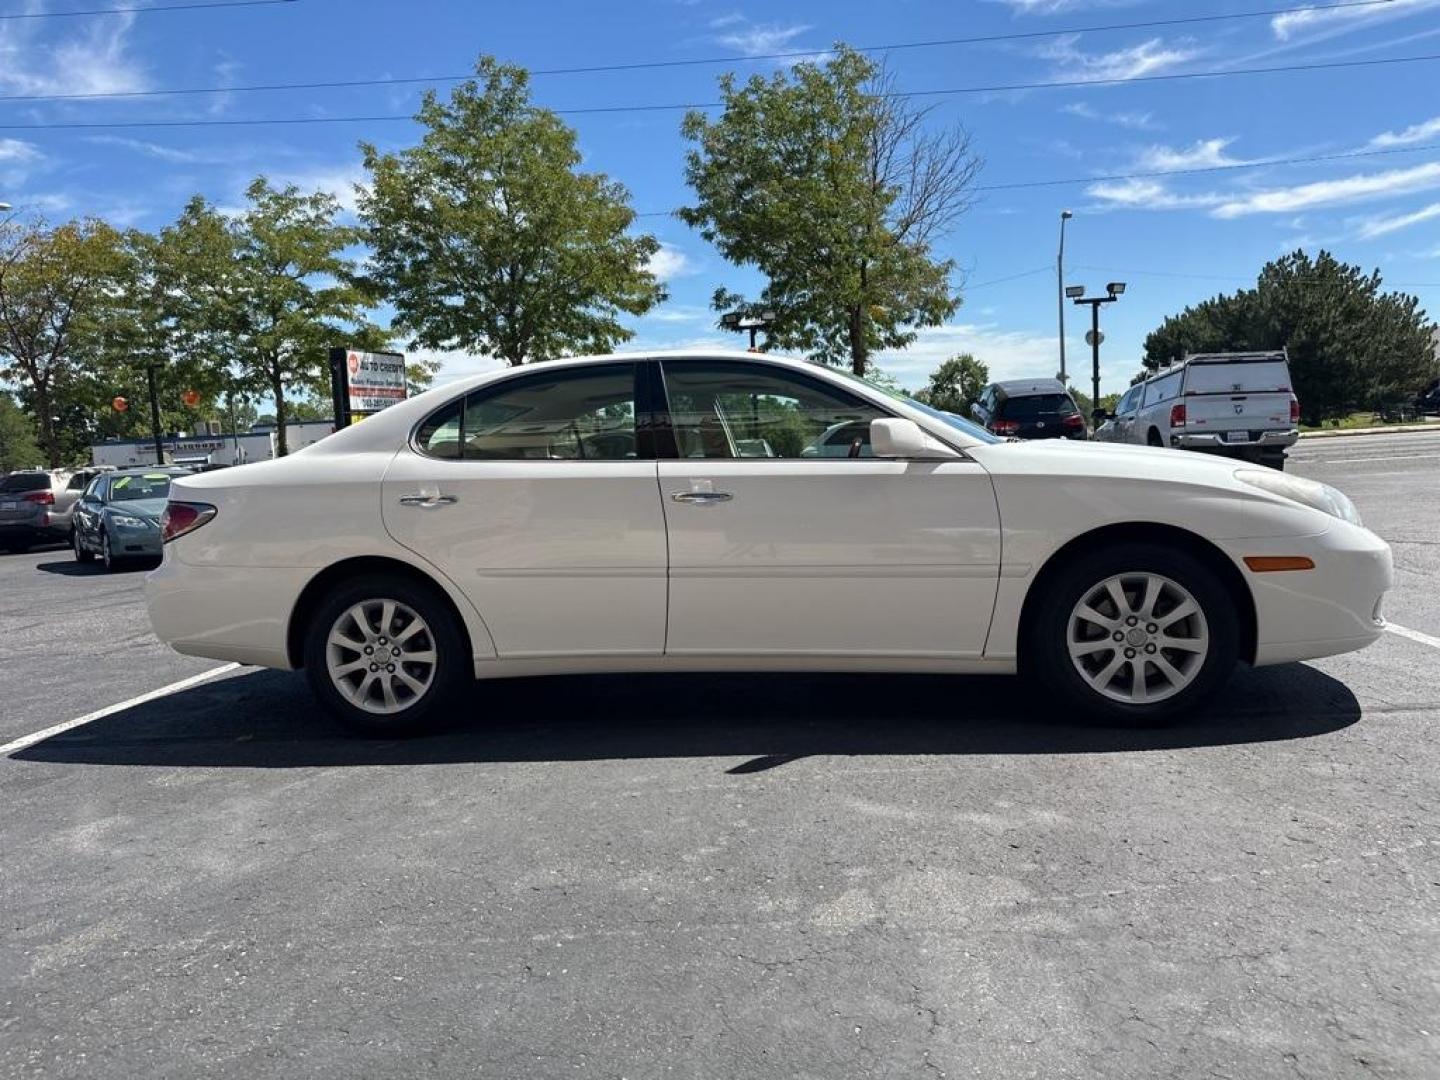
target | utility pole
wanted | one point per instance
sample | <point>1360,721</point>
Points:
<point>1065,215</point>
<point>155,414</point>
<point>1113,292</point>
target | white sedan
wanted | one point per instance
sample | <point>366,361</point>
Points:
<point>659,513</point>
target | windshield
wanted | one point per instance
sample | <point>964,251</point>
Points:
<point>959,423</point>
<point>17,482</point>
<point>136,488</point>
<point>1036,405</point>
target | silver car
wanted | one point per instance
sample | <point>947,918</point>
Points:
<point>36,505</point>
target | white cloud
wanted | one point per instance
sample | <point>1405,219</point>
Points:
<point>680,313</point>
<point>1055,7</point>
<point>95,60</point>
<point>454,363</point>
<point>1145,194</point>
<point>18,151</point>
<point>1010,354</point>
<point>1135,121</point>
<point>1415,133</point>
<point>670,262</point>
<point>1327,21</point>
<point>339,180</point>
<point>1351,189</point>
<point>1203,154</point>
<point>755,39</point>
<point>1383,226</point>
<point>1147,58</point>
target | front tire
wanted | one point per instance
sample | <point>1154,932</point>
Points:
<point>107,554</point>
<point>386,656</point>
<point>1135,634</point>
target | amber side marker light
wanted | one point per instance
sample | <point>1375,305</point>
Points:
<point>1265,564</point>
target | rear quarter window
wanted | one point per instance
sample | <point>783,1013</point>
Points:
<point>1259,377</point>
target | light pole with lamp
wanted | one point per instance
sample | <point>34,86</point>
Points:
<point>1113,292</point>
<point>1065,215</point>
<point>739,322</point>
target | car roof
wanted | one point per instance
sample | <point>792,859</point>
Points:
<point>168,470</point>
<point>1024,387</point>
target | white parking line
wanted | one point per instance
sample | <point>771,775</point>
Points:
<point>1414,635</point>
<point>175,687</point>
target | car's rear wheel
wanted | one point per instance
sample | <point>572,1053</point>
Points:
<point>1152,438</point>
<point>385,655</point>
<point>82,554</point>
<point>1134,633</point>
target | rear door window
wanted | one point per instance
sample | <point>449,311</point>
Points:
<point>1259,376</point>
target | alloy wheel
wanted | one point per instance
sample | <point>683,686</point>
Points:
<point>381,656</point>
<point>1138,638</point>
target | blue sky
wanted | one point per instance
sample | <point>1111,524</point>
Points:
<point>1174,240</point>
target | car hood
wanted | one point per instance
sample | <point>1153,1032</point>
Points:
<point>1102,459</point>
<point>143,508</point>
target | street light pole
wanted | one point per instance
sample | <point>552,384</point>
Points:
<point>1113,292</point>
<point>1065,215</point>
<point>155,414</point>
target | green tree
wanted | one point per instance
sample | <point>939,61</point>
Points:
<point>54,286</point>
<point>487,238</point>
<point>270,290</point>
<point>835,189</point>
<point>1351,345</point>
<point>955,384</point>
<point>17,437</point>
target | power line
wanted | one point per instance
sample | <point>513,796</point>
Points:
<point>601,109</point>
<point>1101,178</point>
<point>8,16</point>
<point>1243,277</point>
<point>643,65</point>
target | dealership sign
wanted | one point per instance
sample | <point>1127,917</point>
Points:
<point>365,382</point>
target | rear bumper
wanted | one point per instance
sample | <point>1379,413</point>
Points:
<point>1215,440</point>
<point>10,532</point>
<point>224,613</point>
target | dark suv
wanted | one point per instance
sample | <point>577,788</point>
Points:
<point>1029,409</point>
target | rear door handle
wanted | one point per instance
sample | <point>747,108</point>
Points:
<point>428,500</point>
<point>701,498</point>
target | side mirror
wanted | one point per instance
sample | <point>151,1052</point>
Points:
<point>896,438</point>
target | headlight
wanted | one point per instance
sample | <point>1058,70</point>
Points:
<point>1309,493</point>
<point>125,521</point>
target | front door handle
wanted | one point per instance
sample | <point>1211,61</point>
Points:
<point>701,498</point>
<point>428,500</point>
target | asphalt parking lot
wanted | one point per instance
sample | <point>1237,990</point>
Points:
<point>723,876</point>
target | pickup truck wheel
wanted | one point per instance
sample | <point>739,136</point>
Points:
<point>1134,634</point>
<point>1273,459</point>
<point>385,656</point>
<point>1153,438</point>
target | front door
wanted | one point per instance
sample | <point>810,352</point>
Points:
<point>780,546</point>
<point>535,496</point>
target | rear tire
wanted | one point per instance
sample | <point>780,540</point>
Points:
<point>82,555</point>
<point>1178,634</point>
<point>1273,459</point>
<point>386,656</point>
<point>1153,438</point>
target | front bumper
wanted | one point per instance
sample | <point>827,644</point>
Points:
<point>1334,608</point>
<point>131,543</point>
<point>1216,440</point>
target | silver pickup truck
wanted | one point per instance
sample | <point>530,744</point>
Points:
<point>1238,404</point>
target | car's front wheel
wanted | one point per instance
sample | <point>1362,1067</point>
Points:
<point>386,655</point>
<point>107,553</point>
<point>1134,633</point>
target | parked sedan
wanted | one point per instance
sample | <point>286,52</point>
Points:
<point>480,530</point>
<point>118,517</point>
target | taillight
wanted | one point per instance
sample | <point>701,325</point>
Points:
<point>1074,420</point>
<point>44,498</point>
<point>1004,427</point>
<point>1294,409</point>
<point>180,518</point>
<point>1177,415</point>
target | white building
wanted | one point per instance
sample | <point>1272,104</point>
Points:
<point>216,448</point>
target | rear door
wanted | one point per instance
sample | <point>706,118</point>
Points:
<point>537,496</point>
<point>1237,399</point>
<point>776,552</point>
